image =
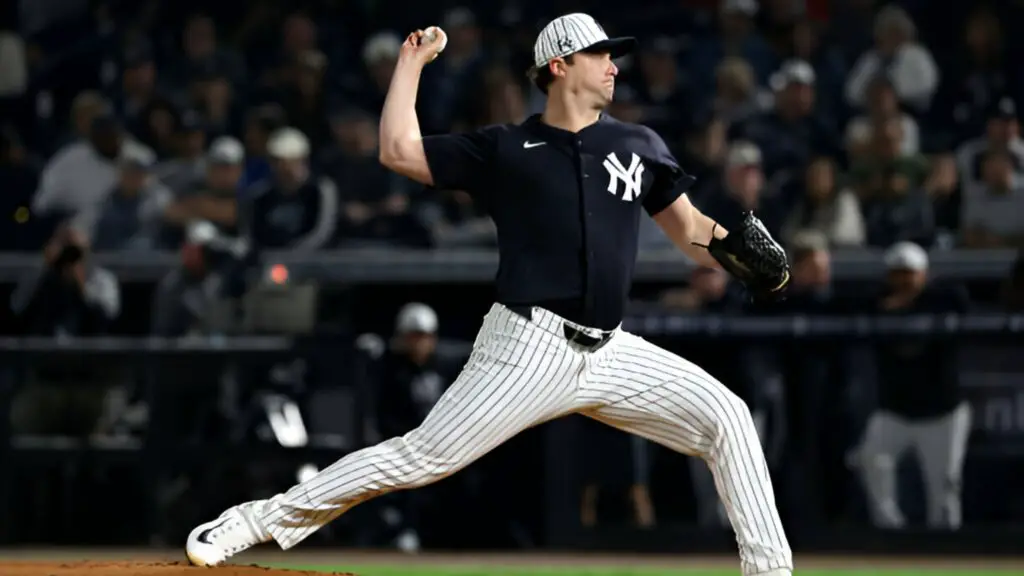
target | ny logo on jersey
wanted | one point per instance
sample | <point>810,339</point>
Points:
<point>631,178</point>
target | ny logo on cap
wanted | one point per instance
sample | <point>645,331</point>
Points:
<point>566,44</point>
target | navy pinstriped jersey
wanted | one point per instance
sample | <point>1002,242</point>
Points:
<point>566,206</point>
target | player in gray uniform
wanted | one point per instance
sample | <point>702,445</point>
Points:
<point>566,189</point>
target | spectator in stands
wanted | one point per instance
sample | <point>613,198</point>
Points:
<point>184,298</point>
<point>67,295</point>
<point>215,200</point>
<point>202,52</point>
<point>663,90</point>
<point>158,128</point>
<point>825,208</point>
<point>737,36</point>
<point>380,53</point>
<point>881,103</point>
<point>503,101</point>
<point>449,84</point>
<point>811,291</point>
<point>85,108</point>
<point>299,34</point>
<point>82,174</point>
<point>14,78</point>
<point>294,210</point>
<point>260,123</point>
<point>851,31</point>
<point>703,153</point>
<point>139,84</point>
<point>302,96</point>
<point>453,219</point>
<point>979,76</point>
<point>213,96</point>
<point>742,188</point>
<point>410,383</point>
<point>898,55</point>
<point>130,217</point>
<point>920,404</point>
<point>895,205</point>
<point>790,132</point>
<point>25,231</point>
<point>992,209</point>
<point>805,43</point>
<point>776,18</point>
<point>186,168</point>
<point>375,203</point>
<point>943,187</point>
<point>736,97</point>
<point>1002,132</point>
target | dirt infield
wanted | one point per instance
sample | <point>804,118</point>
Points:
<point>139,569</point>
<point>64,562</point>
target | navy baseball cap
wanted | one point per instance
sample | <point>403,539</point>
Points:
<point>577,32</point>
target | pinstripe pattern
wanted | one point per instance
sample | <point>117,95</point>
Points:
<point>522,373</point>
<point>580,30</point>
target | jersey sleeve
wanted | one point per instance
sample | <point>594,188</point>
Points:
<point>670,182</point>
<point>462,161</point>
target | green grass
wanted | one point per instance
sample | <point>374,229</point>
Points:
<point>621,571</point>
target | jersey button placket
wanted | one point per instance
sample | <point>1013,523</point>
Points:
<point>586,215</point>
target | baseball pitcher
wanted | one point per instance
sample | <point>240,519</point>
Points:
<point>565,189</point>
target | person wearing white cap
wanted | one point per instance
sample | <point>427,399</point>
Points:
<point>380,53</point>
<point>215,200</point>
<point>408,386</point>
<point>920,404</point>
<point>910,65</point>
<point>743,187</point>
<point>130,217</point>
<point>416,326</point>
<point>293,210</point>
<point>567,189</point>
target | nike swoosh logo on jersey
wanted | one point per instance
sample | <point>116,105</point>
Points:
<point>529,144</point>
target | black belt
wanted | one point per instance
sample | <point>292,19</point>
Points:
<point>577,336</point>
<point>571,333</point>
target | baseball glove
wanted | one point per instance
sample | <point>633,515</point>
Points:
<point>754,258</point>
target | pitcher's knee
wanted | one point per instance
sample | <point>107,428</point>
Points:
<point>733,415</point>
<point>420,462</point>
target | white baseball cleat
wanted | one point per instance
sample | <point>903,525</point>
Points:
<point>234,531</point>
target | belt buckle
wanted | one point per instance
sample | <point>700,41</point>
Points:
<point>571,333</point>
<point>579,333</point>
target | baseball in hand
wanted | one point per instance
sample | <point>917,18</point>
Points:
<point>434,34</point>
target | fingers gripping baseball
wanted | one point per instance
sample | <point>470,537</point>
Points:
<point>425,45</point>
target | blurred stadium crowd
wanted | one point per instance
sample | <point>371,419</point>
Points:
<point>213,127</point>
<point>129,120</point>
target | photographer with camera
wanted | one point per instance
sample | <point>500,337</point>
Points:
<point>66,296</point>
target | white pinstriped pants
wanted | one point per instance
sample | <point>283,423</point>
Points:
<point>524,372</point>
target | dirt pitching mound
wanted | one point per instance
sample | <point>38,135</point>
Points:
<point>142,569</point>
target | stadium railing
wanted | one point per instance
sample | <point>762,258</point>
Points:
<point>431,266</point>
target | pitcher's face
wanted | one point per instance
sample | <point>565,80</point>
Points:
<point>590,76</point>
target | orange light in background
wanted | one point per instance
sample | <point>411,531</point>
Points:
<point>278,274</point>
